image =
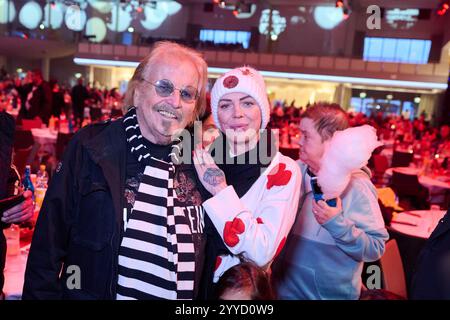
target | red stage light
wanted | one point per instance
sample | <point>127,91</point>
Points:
<point>443,9</point>
<point>216,1</point>
<point>139,9</point>
<point>235,12</point>
<point>339,4</point>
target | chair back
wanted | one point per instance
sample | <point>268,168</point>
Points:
<point>393,275</point>
<point>405,184</point>
<point>387,196</point>
<point>401,159</point>
<point>23,139</point>
<point>380,163</point>
<point>409,248</point>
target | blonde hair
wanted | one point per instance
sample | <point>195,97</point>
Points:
<point>161,49</point>
<point>328,118</point>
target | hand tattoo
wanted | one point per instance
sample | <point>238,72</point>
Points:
<point>214,176</point>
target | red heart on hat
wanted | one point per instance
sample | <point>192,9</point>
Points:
<point>231,231</point>
<point>278,176</point>
<point>246,71</point>
<point>230,82</point>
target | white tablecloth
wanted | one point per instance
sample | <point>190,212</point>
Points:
<point>13,112</point>
<point>44,135</point>
<point>388,143</point>
<point>419,223</point>
<point>427,181</point>
<point>14,275</point>
<point>404,170</point>
<point>46,138</point>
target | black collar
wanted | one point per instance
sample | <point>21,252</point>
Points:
<point>309,172</point>
<point>243,174</point>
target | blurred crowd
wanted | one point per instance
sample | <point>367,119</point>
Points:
<point>418,134</point>
<point>31,97</point>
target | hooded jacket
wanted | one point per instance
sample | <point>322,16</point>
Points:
<point>325,261</point>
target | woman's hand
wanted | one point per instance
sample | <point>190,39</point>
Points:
<point>323,212</point>
<point>212,178</point>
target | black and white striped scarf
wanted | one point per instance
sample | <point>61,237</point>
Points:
<point>157,256</point>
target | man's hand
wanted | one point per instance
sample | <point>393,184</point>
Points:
<point>21,212</point>
<point>323,212</point>
<point>212,178</point>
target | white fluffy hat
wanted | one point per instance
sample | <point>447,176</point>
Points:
<point>245,80</point>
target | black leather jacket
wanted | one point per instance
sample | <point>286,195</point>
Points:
<point>7,127</point>
<point>80,222</point>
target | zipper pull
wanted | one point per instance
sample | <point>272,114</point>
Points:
<point>125,220</point>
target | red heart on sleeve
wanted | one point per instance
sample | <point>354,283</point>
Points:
<point>280,247</point>
<point>278,176</point>
<point>218,262</point>
<point>259,220</point>
<point>238,225</point>
<point>231,231</point>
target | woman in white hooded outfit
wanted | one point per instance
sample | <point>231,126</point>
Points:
<point>255,191</point>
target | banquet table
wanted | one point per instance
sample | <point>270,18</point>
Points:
<point>418,223</point>
<point>438,186</point>
<point>14,274</point>
<point>44,135</point>
<point>388,143</point>
<point>411,230</point>
<point>46,138</point>
<point>435,184</point>
<point>15,266</point>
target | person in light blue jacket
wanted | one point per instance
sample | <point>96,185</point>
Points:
<point>324,255</point>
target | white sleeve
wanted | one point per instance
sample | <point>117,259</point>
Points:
<point>223,263</point>
<point>261,234</point>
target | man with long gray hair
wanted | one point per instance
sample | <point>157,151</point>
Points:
<point>121,219</point>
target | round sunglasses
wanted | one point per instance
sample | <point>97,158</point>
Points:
<point>165,88</point>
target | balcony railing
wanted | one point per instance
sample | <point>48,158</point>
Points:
<point>313,65</point>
